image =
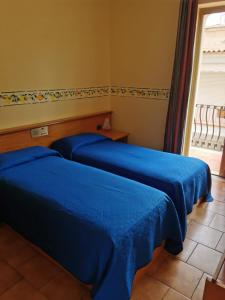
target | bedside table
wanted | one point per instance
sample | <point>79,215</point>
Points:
<point>115,135</point>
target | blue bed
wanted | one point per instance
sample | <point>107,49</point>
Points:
<point>184,179</point>
<point>99,226</point>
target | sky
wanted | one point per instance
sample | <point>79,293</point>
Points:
<point>217,19</point>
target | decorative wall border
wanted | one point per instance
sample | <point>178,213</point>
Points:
<point>148,93</point>
<point>42,96</point>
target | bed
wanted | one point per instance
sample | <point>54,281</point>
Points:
<point>99,226</point>
<point>185,180</point>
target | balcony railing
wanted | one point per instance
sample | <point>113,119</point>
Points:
<point>208,130</point>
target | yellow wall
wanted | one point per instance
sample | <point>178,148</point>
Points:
<point>60,44</point>
<point>143,46</point>
<point>53,44</point>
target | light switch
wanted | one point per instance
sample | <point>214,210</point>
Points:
<point>37,132</point>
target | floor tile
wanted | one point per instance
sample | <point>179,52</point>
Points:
<point>203,234</point>
<point>198,293</point>
<point>189,246</point>
<point>218,195</point>
<point>205,259</point>
<point>202,215</point>
<point>174,295</point>
<point>149,288</point>
<point>22,291</point>
<point>156,261</point>
<point>178,275</point>
<point>39,271</point>
<point>19,254</point>
<point>63,287</point>
<point>221,245</point>
<point>86,296</point>
<point>15,250</point>
<point>218,183</point>
<point>218,190</point>
<point>10,242</point>
<point>6,231</point>
<point>212,158</point>
<point>217,179</point>
<point>8,276</point>
<point>10,248</point>
<point>218,223</point>
<point>216,206</point>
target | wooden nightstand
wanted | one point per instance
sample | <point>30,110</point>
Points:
<point>115,135</point>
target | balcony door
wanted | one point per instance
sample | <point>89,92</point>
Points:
<point>205,132</point>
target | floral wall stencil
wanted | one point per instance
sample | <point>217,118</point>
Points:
<point>41,96</point>
<point>161,94</point>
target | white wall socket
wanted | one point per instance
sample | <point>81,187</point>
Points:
<point>37,132</point>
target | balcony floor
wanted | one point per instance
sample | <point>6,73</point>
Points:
<point>211,157</point>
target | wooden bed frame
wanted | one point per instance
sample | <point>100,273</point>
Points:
<point>20,137</point>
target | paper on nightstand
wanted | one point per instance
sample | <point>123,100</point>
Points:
<point>106,124</point>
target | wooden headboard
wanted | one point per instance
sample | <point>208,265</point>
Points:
<point>20,137</point>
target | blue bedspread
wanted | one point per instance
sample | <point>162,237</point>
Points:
<point>184,179</point>
<point>99,226</point>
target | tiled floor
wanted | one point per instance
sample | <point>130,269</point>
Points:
<point>27,274</point>
<point>211,157</point>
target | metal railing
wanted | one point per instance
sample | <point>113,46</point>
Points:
<point>208,129</point>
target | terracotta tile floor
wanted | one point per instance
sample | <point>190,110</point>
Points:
<point>211,157</point>
<point>28,274</point>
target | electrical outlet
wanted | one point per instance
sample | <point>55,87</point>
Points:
<point>41,131</point>
<point>99,127</point>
